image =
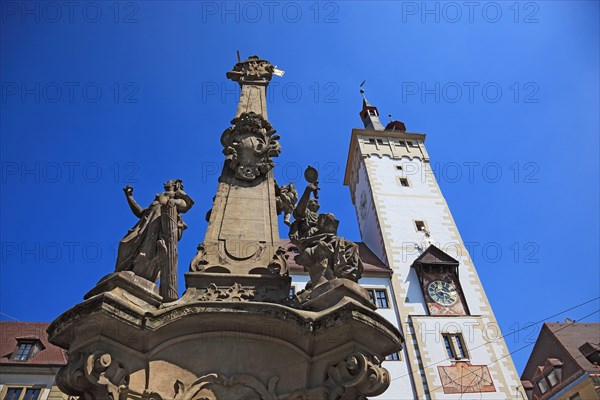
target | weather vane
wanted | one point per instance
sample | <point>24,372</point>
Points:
<point>362,91</point>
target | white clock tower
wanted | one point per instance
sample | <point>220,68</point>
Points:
<point>454,348</point>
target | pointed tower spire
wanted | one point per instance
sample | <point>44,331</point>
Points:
<point>369,114</point>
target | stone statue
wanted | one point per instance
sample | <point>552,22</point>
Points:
<point>286,198</point>
<point>323,254</point>
<point>251,70</point>
<point>149,249</point>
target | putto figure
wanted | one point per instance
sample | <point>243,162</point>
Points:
<point>323,254</point>
<point>149,249</point>
<point>285,201</point>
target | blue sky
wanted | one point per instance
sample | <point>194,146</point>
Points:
<point>106,94</point>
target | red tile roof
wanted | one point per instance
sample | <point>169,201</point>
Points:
<point>370,261</point>
<point>11,331</point>
<point>573,335</point>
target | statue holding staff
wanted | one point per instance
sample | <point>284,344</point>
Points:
<point>149,249</point>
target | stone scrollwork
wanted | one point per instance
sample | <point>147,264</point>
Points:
<point>220,387</point>
<point>251,70</point>
<point>96,376</point>
<point>249,145</point>
<point>278,264</point>
<point>199,261</point>
<point>359,374</point>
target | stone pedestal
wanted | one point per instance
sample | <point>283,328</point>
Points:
<point>121,346</point>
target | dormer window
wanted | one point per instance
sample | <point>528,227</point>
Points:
<point>548,375</point>
<point>543,386</point>
<point>552,378</point>
<point>372,112</point>
<point>26,349</point>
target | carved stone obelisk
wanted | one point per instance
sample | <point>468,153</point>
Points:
<point>242,237</point>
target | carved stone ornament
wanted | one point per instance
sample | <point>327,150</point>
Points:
<point>95,376</point>
<point>149,249</point>
<point>286,197</point>
<point>278,264</point>
<point>234,293</point>
<point>199,261</point>
<point>358,374</point>
<point>251,70</point>
<point>220,387</point>
<point>249,145</point>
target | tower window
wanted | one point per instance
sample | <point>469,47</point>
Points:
<point>420,225</point>
<point>401,143</point>
<point>403,182</point>
<point>371,140</point>
<point>292,291</point>
<point>393,357</point>
<point>379,141</point>
<point>372,112</point>
<point>455,346</point>
<point>411,144</point>
<point>379,297</point>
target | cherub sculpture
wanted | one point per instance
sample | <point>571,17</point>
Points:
<point>286,198</point>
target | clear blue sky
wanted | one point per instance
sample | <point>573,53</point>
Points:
<point>107,94</point>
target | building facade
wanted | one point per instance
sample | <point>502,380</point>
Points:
<point>28,362</point>
<point>564,363</point>
<point>454,348</point>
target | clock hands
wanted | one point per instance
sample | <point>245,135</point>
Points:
<point>443,293</point>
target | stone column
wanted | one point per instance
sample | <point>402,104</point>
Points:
<point>168,273</point>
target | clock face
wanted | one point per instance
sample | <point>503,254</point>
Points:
<point>443,293</point>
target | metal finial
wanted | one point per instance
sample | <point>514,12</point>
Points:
<point>238,56</point>
<point>362,90</point>
<point>391,119</point>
